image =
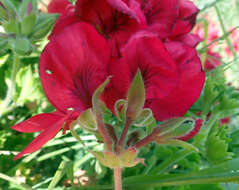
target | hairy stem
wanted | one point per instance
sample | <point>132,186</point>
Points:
<point>104,133</point>
<point>118,178</point>
<point>124,133</point>
<point>148,139</point>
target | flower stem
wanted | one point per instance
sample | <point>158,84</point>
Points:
<point>148,139</point>
<point>12,87</point>
<point>124,133</point>
<point>118,178</point>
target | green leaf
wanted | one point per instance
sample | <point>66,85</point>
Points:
<point>59,174</point>
<point>183,144</point>
<point>30,86</point>
<point>225,172</point>
<point>226,107</point>
<point>14,181</point>
<point>221,154</point>
<point>136,97</point>
<point>170,161</point>
<point>28,23</point>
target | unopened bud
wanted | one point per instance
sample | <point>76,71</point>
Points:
<point>43,25</point>
<point>29,8</point>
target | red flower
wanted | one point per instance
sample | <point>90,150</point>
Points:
<point>213,60</point>
<point>172,74</point>
<point>99,38</point>
<point>117,20</point>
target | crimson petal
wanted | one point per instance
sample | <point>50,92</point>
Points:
<point>147,52</point>
<point>59,6</point>
<point>48,133</point>
<point>189,87</point>
<point>186,18</point>
<point>38,122</point>
<point>73,65</point>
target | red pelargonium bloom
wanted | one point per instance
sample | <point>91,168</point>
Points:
<point>172,73</point>
<point>118,20</point>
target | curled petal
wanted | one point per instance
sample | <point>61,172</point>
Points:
<point>73,65</point>
<point>191,80</point>
<point>186,18</point>
<point>38,122</point>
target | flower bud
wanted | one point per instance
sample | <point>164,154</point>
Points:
<point>136,97</point>
<point>22,46</point>
<point>43,25</point>
<point>28,23</point>
<point>12,26</point>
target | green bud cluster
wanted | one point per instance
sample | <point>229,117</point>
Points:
<point>23,26</point>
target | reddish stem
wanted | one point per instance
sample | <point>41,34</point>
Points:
<point>118,178</point>
<point>124,133</point>
<point>148,139</point>
<point>104,133</point>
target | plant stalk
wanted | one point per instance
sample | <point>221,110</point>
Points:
<point>118,178</point>
<point>12,87</point>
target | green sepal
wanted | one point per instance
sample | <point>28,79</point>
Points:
<point>174,127</point>
<point>176,142</point>
<point>43,25</point>
<point>123,105</point>
<point>112,160</point>
<point>22,46</point>
<point>98,105</point>
<point>22,10</point>
<point>87,120</point>
<point>28,23</point>
<point>136,97</point>
<point>145,118</point>
<point>12,26</point>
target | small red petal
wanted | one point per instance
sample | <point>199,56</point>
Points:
<point>48,133</point>
<point>38,122</point>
